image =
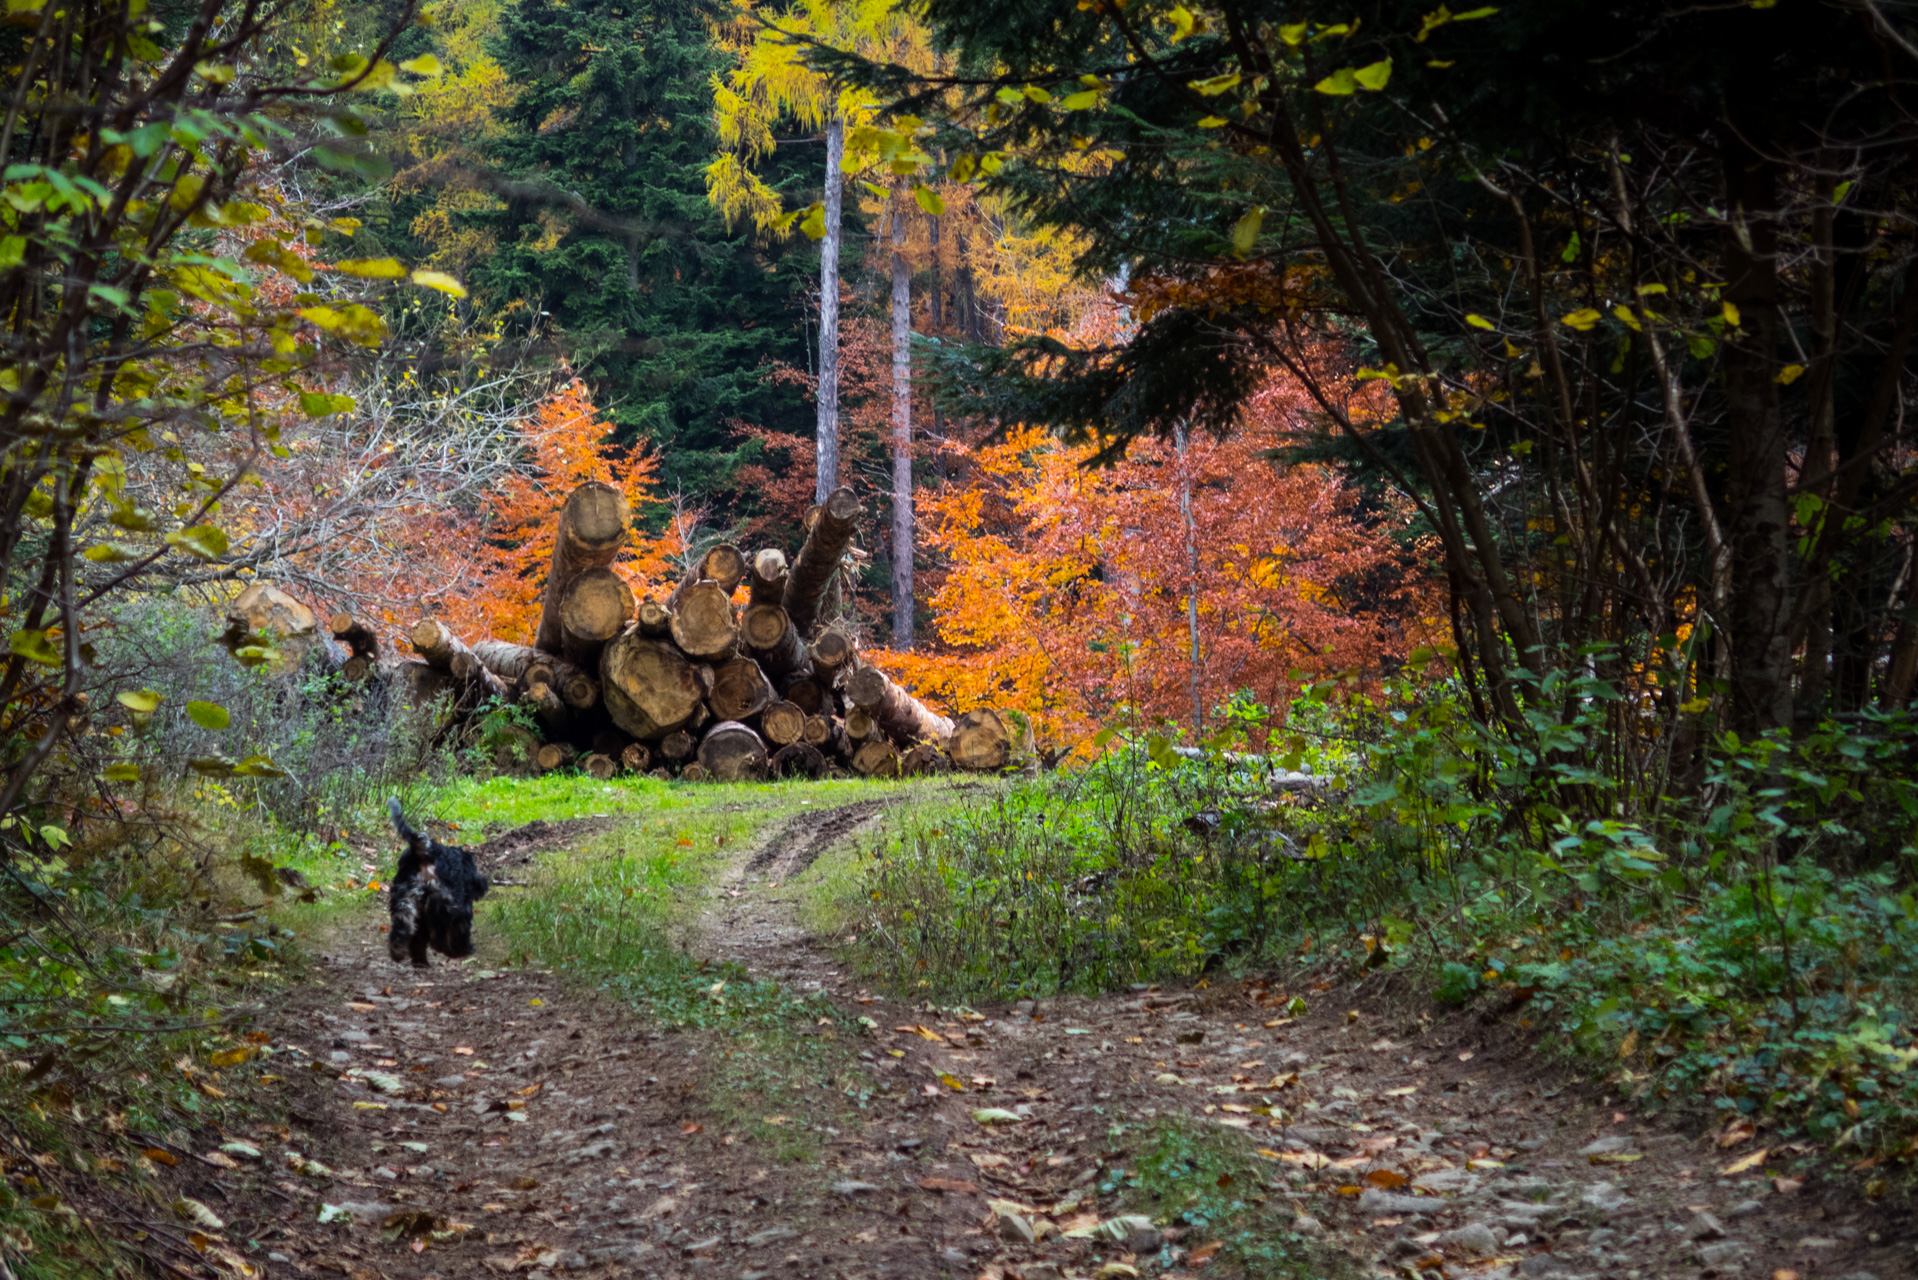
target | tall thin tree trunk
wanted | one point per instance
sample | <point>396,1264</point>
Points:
<point>1192,583</point>
<point>901,427</point>
<point>828,462</point>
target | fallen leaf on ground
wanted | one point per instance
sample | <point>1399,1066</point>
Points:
<point>1204,1253</point>
<point>1738,1131</point>
<point>954,1185</point>
<point>1747,1163</point>
<point>1786,1186</point>
<point>691,1127</point>
<point>1386,1178</point>
<point>995,1115</point>
<point>160,1157</point>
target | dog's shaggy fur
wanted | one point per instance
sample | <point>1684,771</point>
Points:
<point>433,893</point>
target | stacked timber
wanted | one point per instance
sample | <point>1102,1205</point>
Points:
<point>732,675</point>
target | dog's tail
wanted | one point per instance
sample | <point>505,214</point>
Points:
<point>399,822</point>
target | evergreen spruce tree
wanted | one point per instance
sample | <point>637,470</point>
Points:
<point>606,235</point>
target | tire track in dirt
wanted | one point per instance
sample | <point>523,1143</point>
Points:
<point>566,1137</point>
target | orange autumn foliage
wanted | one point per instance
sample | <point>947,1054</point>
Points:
<point>568,445</point>
<point>1067,592</point>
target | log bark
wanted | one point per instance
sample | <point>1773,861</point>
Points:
<point>648,686</point>
<point>903,717</point>
<point>596,608</point>
<point>704,626</point>
<point>740,690</point>
<point>676,745</point>
<point>797,759</point>
<point>783,723</point>
<point>730,751</point>
<point>357,669</point>
<point>807,696</point>
<point>635,757</point>
<point>832,649</point>
<point>859,724</point>
<point>696,772</point>
<point>424,681</point>
<point>355,635</point>
<point>655,619</point>
<point>772,638</point>
<point>767,577</point>
<point>818,731</point>
<point>980,740</point>
<point>826,543</point>
<point>601,766</point>
<point>510,662</point>
<point>554,755</point>
<point>876,758</point>
<point>592,529</point>
<point>921,760</point>
<point>436,643</point>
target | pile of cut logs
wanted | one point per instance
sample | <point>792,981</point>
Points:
<point>692,684</point>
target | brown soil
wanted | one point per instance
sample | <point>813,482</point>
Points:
<point>542,1130</point>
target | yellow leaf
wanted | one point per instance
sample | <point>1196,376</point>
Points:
<point>1213,86</point>
<point>1182,22</point>
<point>814,223</point>
<point>1789,374</point>
<point>1341,83</point>
<point>1747,1163</point>
<point>1582,320</point>
<point>1373,77</point>
<point>1479,322</point>
<point>1731,314</point>
<point>1293,33</point>
<point>1245,233</point>
<point>929,200</point>
<point>439,280</point>
<point>1084,100</point>
<point>1626,317</point>
<point>1036,94</point>
<point>372,268</point>
<point>231,1057</point>
<point>424,65</point>
<point>1213,122</point>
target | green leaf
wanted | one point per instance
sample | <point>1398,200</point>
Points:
<point>316,404</point>
<point>211,766</point>
<point>56,837</point>
<point>929,200</point>
<point>1245,232</point>
<point>144,701</point>
<point>1373,77</point>
<point>110,553</point>
<point>208,715</point>
<point>372,268</point>
<point>202,540</point>
<point>124,771</point>
<point>34,647</point>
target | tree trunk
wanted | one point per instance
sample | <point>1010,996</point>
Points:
<point>772,638</point>
<point>798,759</point>
<point>655,619</point>
<point>768,577</point>
<point>436,643</point>
<point>783,723</point>
<point>980,741</point>
<point>355,635</point>
<point>648,686</point>
<point>807,695</point>
<point>902,611</point>
<point>903,717</point>
<point>730,752</point>
<point>676,745</point>
<point>704,625</point>
<point>827,478</point>
<point>510,662</point>
<point>592,529</point>
<point>832,649</point>
<point>1760,515</point>
<point>724,565</point>
<point>596,608</point>
<point>740,690</point>
<point>876,758</point>
<point>825,546</point>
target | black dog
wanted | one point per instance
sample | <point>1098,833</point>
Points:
<point>433,894</point>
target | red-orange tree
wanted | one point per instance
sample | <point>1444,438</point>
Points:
<point>568,444</point>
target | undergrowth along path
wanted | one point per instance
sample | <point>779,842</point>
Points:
<point>489,1118</point>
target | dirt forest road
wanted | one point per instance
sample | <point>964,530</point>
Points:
<point>478,1120</point>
